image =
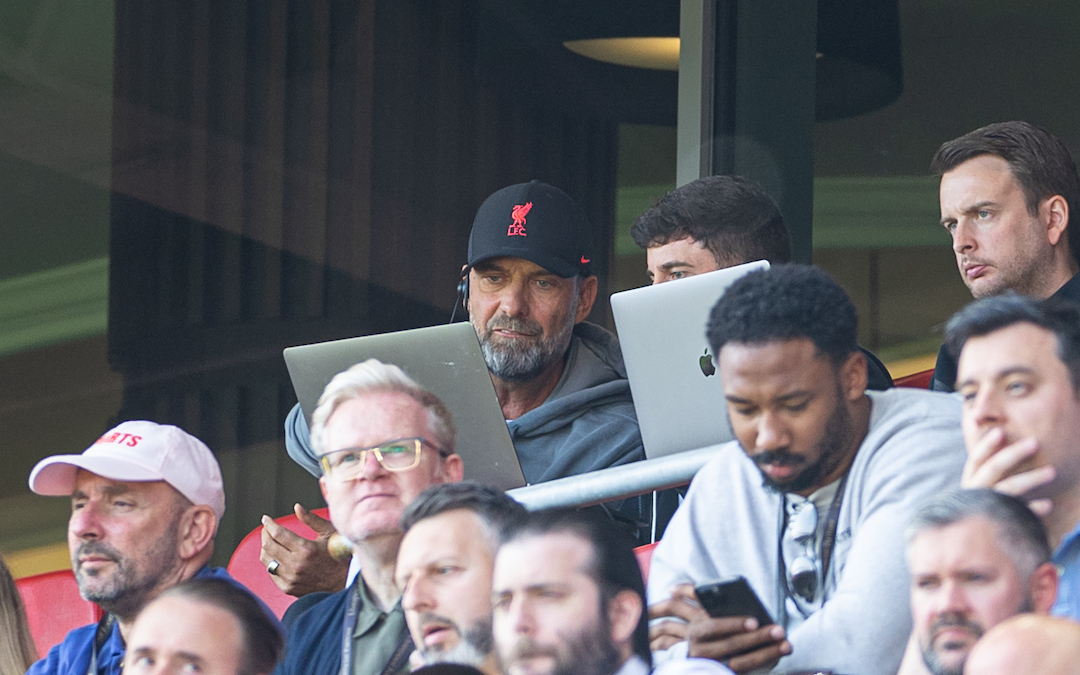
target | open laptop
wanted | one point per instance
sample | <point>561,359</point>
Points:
<point>444,359</point>
<point>676,389</point>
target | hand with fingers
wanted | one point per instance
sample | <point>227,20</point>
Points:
<point>1009,468</point>
<point>298,565</point>
<point>737,642</point>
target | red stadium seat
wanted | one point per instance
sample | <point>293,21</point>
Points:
<point>920,380</point>
<point>644,557</point>
<point>54,607</point>
<point>246,568</point>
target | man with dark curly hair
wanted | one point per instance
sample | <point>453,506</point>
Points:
<point>810,501</point>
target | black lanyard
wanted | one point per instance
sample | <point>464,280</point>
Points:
<point>104,628</point>
<point>397,659</point>
<point>828,540</point>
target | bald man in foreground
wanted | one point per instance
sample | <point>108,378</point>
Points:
<point>1030,644</point>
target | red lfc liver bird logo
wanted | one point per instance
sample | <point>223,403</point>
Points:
<point>517,228</point>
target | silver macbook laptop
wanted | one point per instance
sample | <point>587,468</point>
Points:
<point>676,389</point>
<point>445,359</point>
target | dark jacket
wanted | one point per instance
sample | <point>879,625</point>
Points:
<point>944,378</point>
<point>72,656</point>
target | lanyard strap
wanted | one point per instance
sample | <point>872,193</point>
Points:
<point>828,541</point>
<point>349,626</point>
<point>104,628</point>
<point>401,652</point>
<point>828,538</point>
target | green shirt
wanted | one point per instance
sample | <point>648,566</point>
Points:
<point>377,635</point>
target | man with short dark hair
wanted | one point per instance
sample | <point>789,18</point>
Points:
<point>976,557</point>
<point>203,626</point>
<point>717,222</point>
<point>444,569</point>
<point>708,224</point>
<point>1008,193</point>
<point>814,492</point>
<point>569,598</point>
<point>1019,379</point>
<point>146,500</point>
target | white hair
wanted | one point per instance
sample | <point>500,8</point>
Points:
<point>373,377</point>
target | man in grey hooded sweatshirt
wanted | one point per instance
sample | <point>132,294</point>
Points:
<point>528,286</point>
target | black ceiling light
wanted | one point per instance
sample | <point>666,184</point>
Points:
<point>619,60</point>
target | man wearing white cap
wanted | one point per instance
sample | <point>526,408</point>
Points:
<point>146,499</point>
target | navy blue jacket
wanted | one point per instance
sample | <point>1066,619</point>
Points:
<point>314,642</point>
<point>72,656</point>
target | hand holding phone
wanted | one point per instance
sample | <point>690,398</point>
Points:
<point>733,597</point>
<point>727,636</point>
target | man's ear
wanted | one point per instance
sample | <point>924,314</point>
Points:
<point>198,525</point>
<point>853,375</point>
<point>453,469</point>
<point>586,297</point>
<point>1043,586</point>
<point>1056,210</point>
<point>624,612</point>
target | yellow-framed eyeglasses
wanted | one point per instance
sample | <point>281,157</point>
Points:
<point>400,454</point>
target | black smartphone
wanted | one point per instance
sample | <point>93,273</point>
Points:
<point>732,597</point>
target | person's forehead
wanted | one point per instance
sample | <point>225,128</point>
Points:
<point>88,481</point>
<point>686,250</point>
<point>376,417</point>
<point>983,173</point>
<point>458,534</point>
<point>506,263</point>
<point>971,541</point>
<point>169,623</point>
<point>1020,345</point>
<point>544,559</point>
<point>681,244</point>
<point>773,361</point>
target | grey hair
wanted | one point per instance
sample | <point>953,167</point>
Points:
<point>375,377</point>
<point>1020,532</point>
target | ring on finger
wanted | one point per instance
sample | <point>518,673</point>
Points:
<point>272,568</point>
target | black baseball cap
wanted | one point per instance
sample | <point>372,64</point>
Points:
<point>537,222</point>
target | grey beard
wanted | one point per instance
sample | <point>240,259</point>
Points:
<point>519,364</point>
<point>471,650</point>
<point>126,592</point>
<point>522,360</point>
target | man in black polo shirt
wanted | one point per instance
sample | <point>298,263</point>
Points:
<point>1007,193</point>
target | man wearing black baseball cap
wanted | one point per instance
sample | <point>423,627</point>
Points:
<point>560,379</point>
<point>528,287</point>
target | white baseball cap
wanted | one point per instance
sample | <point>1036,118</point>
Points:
<point>139,451</point>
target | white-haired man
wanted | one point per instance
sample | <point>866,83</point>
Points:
<point>381,440</point>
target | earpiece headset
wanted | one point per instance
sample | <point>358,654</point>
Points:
<point>462,295</point>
